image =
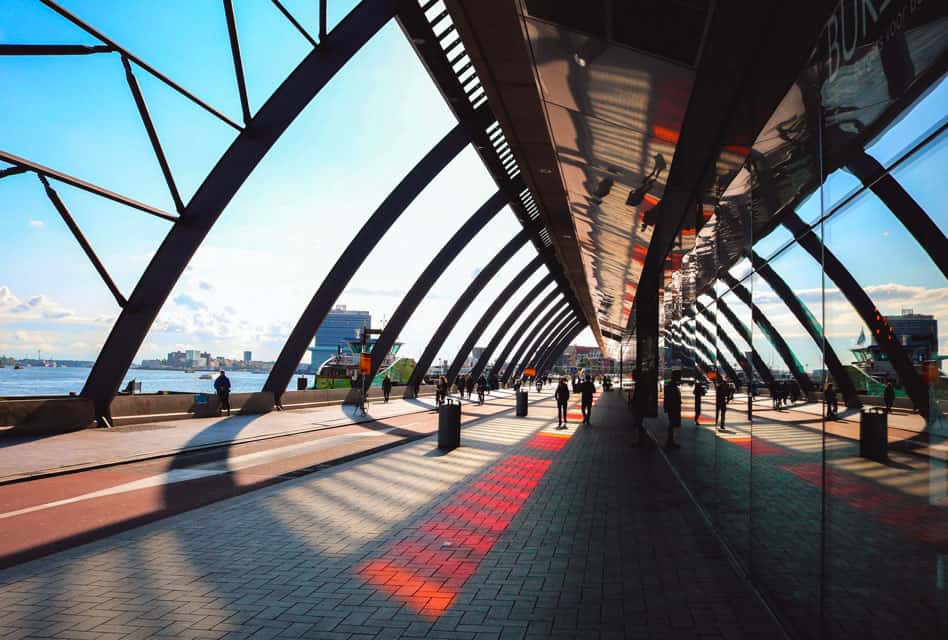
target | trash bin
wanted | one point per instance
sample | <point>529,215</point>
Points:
<point>301,383</point>
<point>521,404</point>
<point>874,434</point>
<point>449,425</point>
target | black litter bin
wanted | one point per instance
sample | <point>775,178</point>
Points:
<point>302,383</point>
<point>521,404</point>
<point>874,434</point>
<point>449,425</point>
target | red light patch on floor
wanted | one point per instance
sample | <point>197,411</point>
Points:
<point>909,514</point>
<point>427,569</point>
<point>758,447</point>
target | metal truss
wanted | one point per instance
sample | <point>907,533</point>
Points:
<point>863,305</point>
<point>717,358</point>
<point>489,315</point>
<point>463,302</point>
<point>508,322</point>
<point>532,359</point>
<point>547,351</point>
<point>430,275</point>
<point>813,328</point>
<point>560,346</point>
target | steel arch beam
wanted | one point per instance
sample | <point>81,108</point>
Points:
<point>539,327</point>
<point>527,320</point>
<point>744,332</point>
<point>926,233</point>
<point>786,353</point>
<point>562,344</point>
<point>717,358</point>
<point>863,305</point>
<point>505,327</point>
<point>219,187</point>
<point>541,330</point>
<point>489,315</point>
<point>545,341</point>
<point>430,275</point>
<point>355,254</point>
<point>486,275</point>
<point>812,326</point>
<point>545,352</point>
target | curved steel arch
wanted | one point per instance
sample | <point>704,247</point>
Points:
<point>786,353</point>
<point>743,331</point>
<point>489,315</point>
<point>718,358</point>
<point>863,305</point>
<point>430,275</point>
<point>358,250</point>
<point>532,359</point>
<point>219,187</point>
<point>527,321</point>
<point>562,344</point>
<point>505,327</point>
<point>805,318</point>
<point>464,301</point>
<point>551,344</point>
<point>529,345</point>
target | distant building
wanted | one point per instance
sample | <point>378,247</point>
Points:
<point>917,334</point>
<point>177,359</point>
<point>333,336</point>
<point>248,356</point>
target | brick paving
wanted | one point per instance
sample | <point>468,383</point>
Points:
<point>520,533</point>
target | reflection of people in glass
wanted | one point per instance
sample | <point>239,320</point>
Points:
<point>720,404</point>
<point>672,406</point>
<point>832,409</point>
<point>888,396</point>
<point>699,393</point>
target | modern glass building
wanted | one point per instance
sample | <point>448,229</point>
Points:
<point>340,327</point>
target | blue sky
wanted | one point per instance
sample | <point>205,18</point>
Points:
<point>275,241</point>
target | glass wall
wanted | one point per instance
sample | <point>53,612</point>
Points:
<point>827,480</point>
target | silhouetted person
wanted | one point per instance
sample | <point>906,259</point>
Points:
<point>469,383</point>
<point>720,404</point>
<point>493,382</point>
<point>832,408</point>
<point>586,390</point>
<point>562,398</point>
<point>699,393</point>
<point>417,387</point>
<point>441,392</point>
<point>222,387</point>
<point>774,394</point>
<point>459,386</point>
<point>888,396</point>
<point>481,389</point>
<point>672,406</point>
<point>386,386</point>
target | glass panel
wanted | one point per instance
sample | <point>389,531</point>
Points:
<point>917,122</point>
<point>786,450</point>
<point>922,176</point>
<point>893,505</point>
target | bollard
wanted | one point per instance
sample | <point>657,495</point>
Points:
<point>874,434</point>
<point>521,404</point>
<point>449,425</point>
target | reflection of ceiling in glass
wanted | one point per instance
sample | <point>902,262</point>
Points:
<point>614,115</point>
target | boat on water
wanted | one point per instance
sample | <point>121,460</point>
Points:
<point>17,366</point>
<point>205,376</point>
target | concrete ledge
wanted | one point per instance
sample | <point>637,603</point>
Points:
<point>44,416</point>
<point>137,409</point>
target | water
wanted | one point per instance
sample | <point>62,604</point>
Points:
<point>42,381</point>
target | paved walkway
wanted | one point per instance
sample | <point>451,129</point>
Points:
<point>524,531</point>
<point>37,456</point>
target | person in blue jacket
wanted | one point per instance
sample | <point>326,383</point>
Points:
<point>222,387</point>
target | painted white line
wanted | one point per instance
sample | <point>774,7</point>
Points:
<point>204,470</point>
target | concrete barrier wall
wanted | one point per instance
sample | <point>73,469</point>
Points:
<point>43,416</point>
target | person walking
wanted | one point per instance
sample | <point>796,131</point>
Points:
<point>441,394</point>
<point>720,404</point>
<point>832,408</point>
<point>222,387</point>
<point>386,386</point>
<point>469,383</point>
<point>888,396</point>
<point>586,390</point>
<point>417,389</point>
<point>562,398</point>
<point>481,389</point>
<point>699,393</point>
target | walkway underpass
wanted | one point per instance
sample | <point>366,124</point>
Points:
<point>737,203</point>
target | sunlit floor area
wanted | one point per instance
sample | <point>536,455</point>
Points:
<point>523,531</point>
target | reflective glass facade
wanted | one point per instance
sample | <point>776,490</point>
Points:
<point>820,280</point>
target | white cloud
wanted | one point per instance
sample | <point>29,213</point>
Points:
<point>37,224</point>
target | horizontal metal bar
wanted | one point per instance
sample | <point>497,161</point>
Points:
<point>85,186</point>
<point>52,49</point>
<point>141,63</point>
